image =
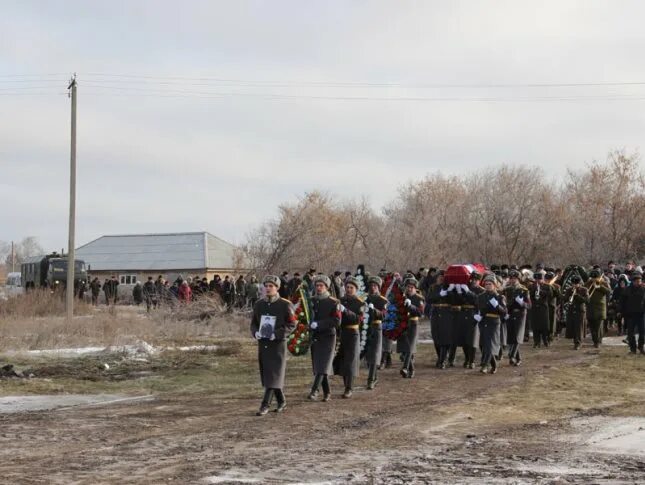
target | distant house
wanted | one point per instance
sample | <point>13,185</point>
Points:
<point>134,257</point>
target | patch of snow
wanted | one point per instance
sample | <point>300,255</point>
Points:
<point>138,351</point>
<point>621,436</point>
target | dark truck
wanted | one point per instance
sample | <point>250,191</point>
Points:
<point>50,271</point>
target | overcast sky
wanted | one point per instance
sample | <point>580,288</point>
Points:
<point>173,149</point>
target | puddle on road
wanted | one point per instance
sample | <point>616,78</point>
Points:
<point>20,404</point>
<point>623,436</point>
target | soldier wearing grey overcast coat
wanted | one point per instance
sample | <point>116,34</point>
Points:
<point>272,322</point>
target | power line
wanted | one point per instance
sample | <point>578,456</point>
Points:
<point>175,79</point>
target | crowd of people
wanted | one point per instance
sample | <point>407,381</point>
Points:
<point>493,312</point>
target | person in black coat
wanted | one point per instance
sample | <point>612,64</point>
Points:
<point>491,308</point>
<point>633,307</point>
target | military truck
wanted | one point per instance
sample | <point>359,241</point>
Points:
<point>50,271</point>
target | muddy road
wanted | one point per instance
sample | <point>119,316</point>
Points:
<point>563,417</point>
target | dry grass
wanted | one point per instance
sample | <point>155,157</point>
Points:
<point>23,326</point>
<point>39,303</point>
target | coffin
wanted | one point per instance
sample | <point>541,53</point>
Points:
<point>459,274</point>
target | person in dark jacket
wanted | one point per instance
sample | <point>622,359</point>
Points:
<point>95,289</point>
<point>377,307</point>
<point>137,293</point>
<point>294,285</point>
<point>272,322</point>
<point>351,308</point>
<point>468,309</point>
<point>414,305</point>
<point>491,307</point>
<point>633,307</point>
<point>599,291</point>
<point>284,285</point>
<point>228,292</point>
<point>324,325</point>
<point>110,287</point>
<point>150,294</point>
<point>540,295</point>
<point>240,291</point>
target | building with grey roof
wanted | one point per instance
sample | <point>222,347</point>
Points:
<point>134,257</point>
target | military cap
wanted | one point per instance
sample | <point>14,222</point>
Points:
<point>624,277</point>
<point>494,267</point>
<point>475,276</point>
<point>324,279</point>
<point>637,275</point>
<point>504,272</point>
<point>514,266</point>
<point>594,273</point>
<point>504,266</point>
<point>549,275</point>
<point>538,275</point>
<point>350,280</point>
<point>513,273</point>
<point>411,281</point>
<point>272,279</point>
<point>575,279</point>
<point>375,280</point>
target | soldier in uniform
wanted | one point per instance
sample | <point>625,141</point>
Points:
<point>377,305</point>
<point>471,337</point>
<point>554,300</point>
<point>518,302</point>
<point>352,308</point>
<point>414,304</point>
<point>539,294</point>
<point>599,292</point>
<point>633,308</point>
<point>150,294</point>
<point>441,320</point>
<point>577,296</point>
<point>272,322</point>
<point>461,321</point>
<point>491,307</point>
<point>325,323</point>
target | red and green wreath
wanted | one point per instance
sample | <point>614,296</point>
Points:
<point>299,341</point>
<point>396,319</point>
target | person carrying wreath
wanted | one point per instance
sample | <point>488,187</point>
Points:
<point>377,305</point>
<point>325,322</point>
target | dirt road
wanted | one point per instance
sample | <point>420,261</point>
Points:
<point>532,424</point>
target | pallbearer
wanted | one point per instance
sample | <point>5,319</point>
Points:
<point>377,309</point>
<point>273,320</point>
<point>491,307</point>
<point>414,304</point>
<point>441,320</point>
<point>325,322</point>
<point>351,307</point>
<point>599,292</point>
<point>471,340</point>
<point>518,301</point>
<point>577,296</point>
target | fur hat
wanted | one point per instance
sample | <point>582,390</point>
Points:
<point>375,280</point>
<point>274,280</point>
<point>411,281</point>
<point>321,278</point>
<point>350,280</point>
<point>490,277</point>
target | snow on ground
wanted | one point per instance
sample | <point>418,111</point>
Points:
<point>139,348</point>
<point>18,404</point>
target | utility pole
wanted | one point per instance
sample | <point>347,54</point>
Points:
<point>69,289</point>
<point>13,257</point>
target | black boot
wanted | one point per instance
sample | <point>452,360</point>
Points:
<point>266,402</point>
<point>371,378</point>
<point>282,402</point>
<point>326,389</point>
<point>348,387</point>
<point>314,387</point>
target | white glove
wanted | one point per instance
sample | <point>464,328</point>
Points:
<point>493,302</point>
<point>477,317</point>
<point>258,336</point>
<point>272,337</point>
<point>407,302</point>
<point>313,325</point>
<point>506,316</point>
<point>519,300</point>
<point>465,288</point>
<point>371,306</point>
<point>342,309</point>
<point>443,293</point>
<point>451,287</point>
<point>458,288</point>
